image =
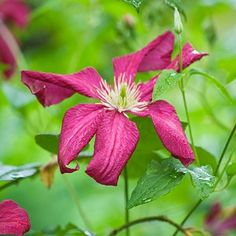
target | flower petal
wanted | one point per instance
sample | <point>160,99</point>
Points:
<point>78,127</point>
<point>170,131</point>
<point>6,56</point>
<point>53,88</point>
<point>13,219</point>
<point>14,10</point>
<point>116,139</point>
<point>189,56</point>
<point>156,55</point>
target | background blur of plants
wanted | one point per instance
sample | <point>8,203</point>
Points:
<point>64,36</point>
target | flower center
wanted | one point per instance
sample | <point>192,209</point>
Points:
<point>123,96</point>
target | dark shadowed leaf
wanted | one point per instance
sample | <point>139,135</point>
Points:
<point>206,158</point>
<point>167,80</point>
<point>159,179</point>
<point>48,142</point>
<point>144,152</point>
<point>9,173</point>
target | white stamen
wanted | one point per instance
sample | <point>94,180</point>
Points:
<point>124,96</point>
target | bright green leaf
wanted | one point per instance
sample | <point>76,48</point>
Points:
<point>231,170</point>
<point>48,142</point>
<point>202,179</point>
<point>9,173</point>
<point>167,80</point>
<point>159,179</point>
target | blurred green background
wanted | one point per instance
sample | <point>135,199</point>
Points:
<point>64,36</point>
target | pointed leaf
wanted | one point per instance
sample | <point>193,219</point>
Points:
<point>167,80</point>
<point>8,173</point>
<point>159,179</point>
<point>49,142</point>
<point>135,3</point>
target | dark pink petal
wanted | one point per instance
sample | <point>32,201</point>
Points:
<point>189,56</point>
<point>6,56</point>
<point>116,139</point>
<point>156,55</point>
<point>170,131</point>
<point>228,224</point>
<point>214,213</point>
<point>78,127</point>
<point>53,88</point>
<point>13,219</point>
<point>14,10</point>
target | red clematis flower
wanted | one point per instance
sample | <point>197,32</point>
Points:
<point>116,135</point>
<point>13,11</point>
<point>13,219</point>
<point>220,221</point>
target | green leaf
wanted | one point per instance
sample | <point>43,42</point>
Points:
<point>159,179</point>
<point>9,173</point>
<point>167,80</point>
<point>135,3</point>
<point>231,170</point>
<point>202,179</point>
<point>16,97</point>
<point>214,81</point>
<point>144,152</point>
<point>206,158</point>
<point>48,142</point>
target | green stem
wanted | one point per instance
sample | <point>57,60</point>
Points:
<point>217,168</point>
<point>225,148</point>
<point>75,198</point>
<point>126,192</point>
<point>149,219</point>
<point>184,98</point>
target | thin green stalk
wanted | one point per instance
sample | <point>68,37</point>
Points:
<point>217,168</point>
<point>149,219</point>
<point>225,148</point>
<point>75,198</point>
<point>184,98</point>
<point>126,192</point>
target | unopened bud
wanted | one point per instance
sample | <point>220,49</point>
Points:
<point>129,20</point>
<point>178,23</point>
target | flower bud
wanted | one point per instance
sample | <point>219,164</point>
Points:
<point>178,26</point>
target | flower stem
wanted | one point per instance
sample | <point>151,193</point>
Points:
<point>217,168</point>
<point>225,148</point>
<point>184,98</point>
<point>126,192</point>
<point>149,219</point>
<point>75,198</point>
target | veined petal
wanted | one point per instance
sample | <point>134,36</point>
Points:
<point>14,10</point>
<point>79,126</point>
<point>13,219</point>
<point>53,88</point>
<point>170,131</point>
<point>6,56</point>
<point>156,55</point>
<point>116,139</point>
<point>189,56</point>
